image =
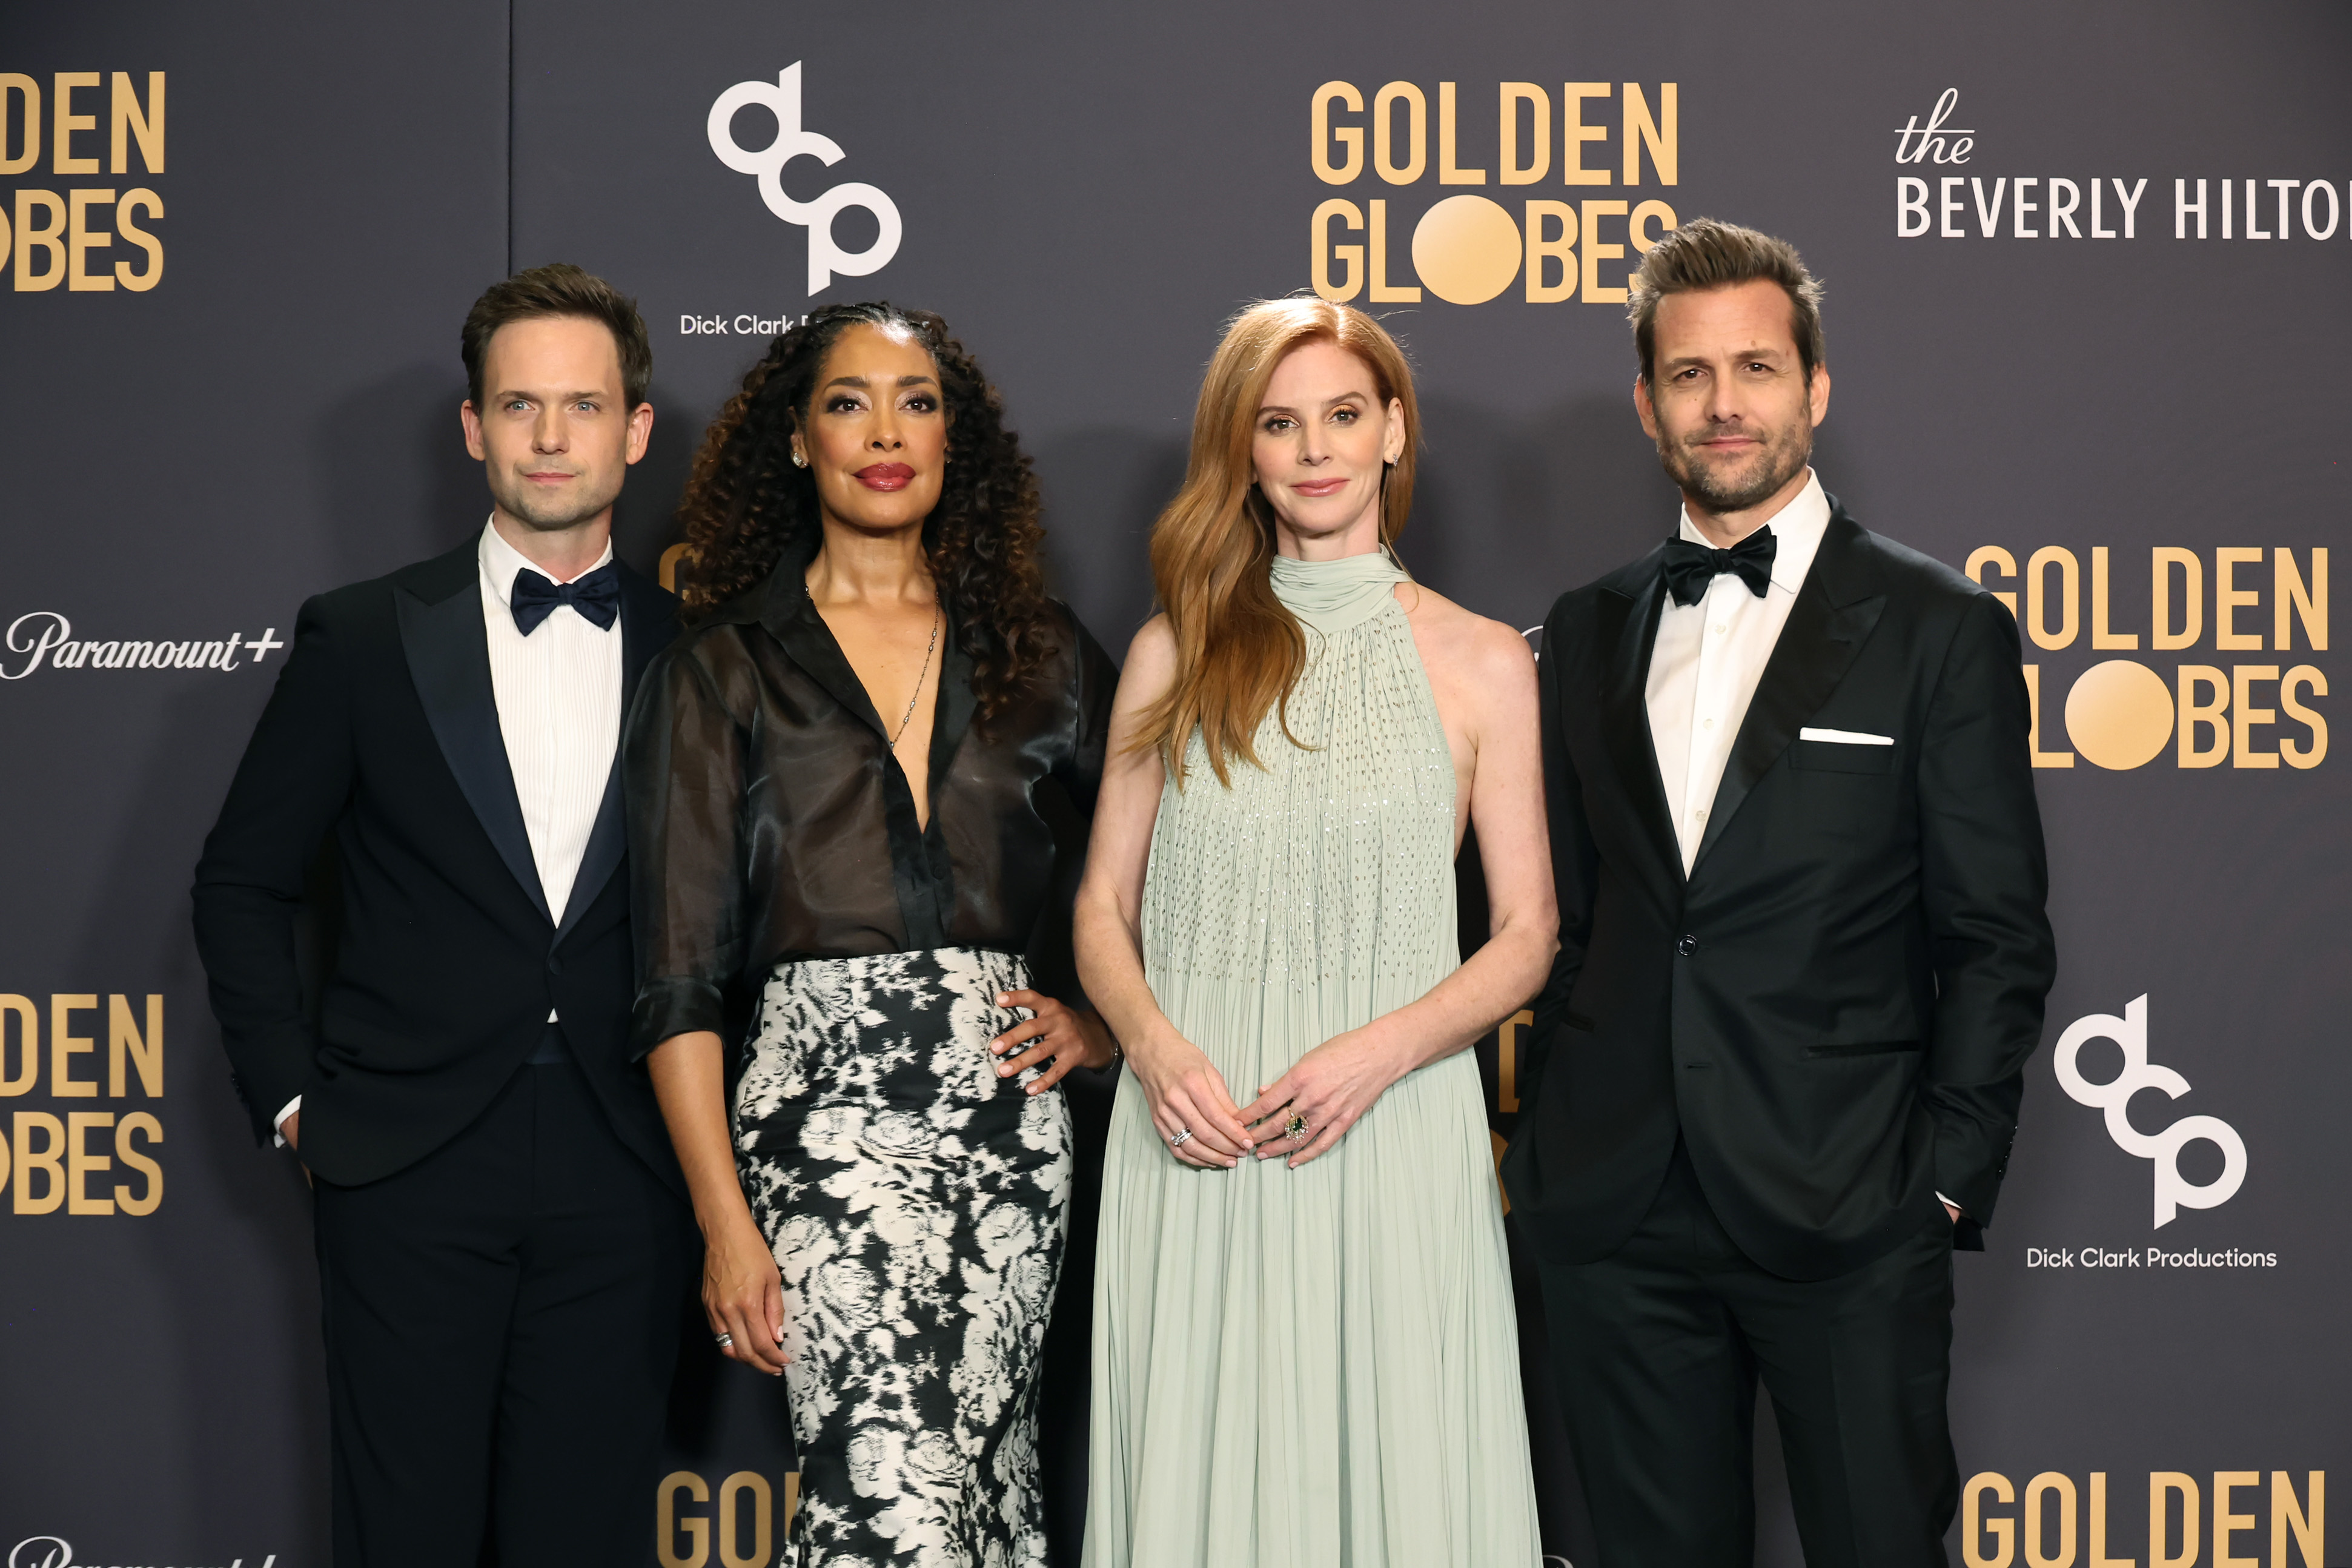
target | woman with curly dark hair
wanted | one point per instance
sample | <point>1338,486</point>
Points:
<point>838,859</point>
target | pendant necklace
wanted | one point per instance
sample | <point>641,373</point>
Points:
<point>920,677</point>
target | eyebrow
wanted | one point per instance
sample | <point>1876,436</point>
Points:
<point>1328,402</point>
<point>862,383</point>
<point>513,392</point>
<point>1765,352</point>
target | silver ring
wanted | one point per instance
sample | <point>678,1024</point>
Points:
<point>1182,1134</point>
<point>725,1340</point>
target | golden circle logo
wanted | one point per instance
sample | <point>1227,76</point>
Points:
<point>2119,714</point>
<point>1466,250</point>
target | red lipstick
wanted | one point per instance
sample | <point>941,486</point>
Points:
<point>886,477</point>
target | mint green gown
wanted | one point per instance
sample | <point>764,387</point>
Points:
<point>1315,1368</point>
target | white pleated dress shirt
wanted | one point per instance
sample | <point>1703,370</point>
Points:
<point>559,694</point>
<point>559,698</point>
<point>1709,657</point>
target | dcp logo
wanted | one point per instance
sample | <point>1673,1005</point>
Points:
<point>783,100</point>
<point>2173,1193</point>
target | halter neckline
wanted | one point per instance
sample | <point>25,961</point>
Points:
<point>1331,595</point>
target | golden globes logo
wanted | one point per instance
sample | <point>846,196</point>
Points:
<point>2122,713</point>
<point>741,1526</point>
<point>64,1158</point>
<point>2055,1517</point>
<point>1467,249</point>
<point>73,234</point>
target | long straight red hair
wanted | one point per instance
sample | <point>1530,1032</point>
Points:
<point>1238,650</point>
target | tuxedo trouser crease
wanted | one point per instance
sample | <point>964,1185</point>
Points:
<point>1658,1348</point>
<point>501,1326</point>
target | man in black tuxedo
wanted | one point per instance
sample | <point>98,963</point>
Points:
<point>1776,1073</point>
<point>503,1244</point>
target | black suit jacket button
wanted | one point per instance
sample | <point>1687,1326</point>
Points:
<point>555,965</point>
<point>1686,946</point>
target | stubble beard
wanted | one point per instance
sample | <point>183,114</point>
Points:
<point>552,513</point>
<point>1781,458</point>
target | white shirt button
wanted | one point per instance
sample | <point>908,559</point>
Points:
<point>1718,628</point>
<point>1706,724</point>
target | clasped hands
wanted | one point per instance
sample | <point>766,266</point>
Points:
<point>1326,1092</point>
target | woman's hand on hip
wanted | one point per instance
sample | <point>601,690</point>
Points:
<point>1055,1033</point>
<point>1328,1090</point>
<point>743,1295</point>
<point>1189,1104</point>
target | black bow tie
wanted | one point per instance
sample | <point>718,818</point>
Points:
<point>1690,567</point>
<point>596,596</point>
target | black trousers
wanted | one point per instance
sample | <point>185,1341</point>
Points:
<point>501,1321</point>
<point>1658,1347</point>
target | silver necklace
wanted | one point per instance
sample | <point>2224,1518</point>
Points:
<point>920,676</point>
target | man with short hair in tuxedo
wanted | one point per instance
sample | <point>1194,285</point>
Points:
<point>504,1246</point>
<point>1775,1075</point>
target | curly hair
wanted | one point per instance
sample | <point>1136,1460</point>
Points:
<point>746,505</point>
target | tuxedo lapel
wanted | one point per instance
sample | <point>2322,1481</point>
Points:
<point>1834,616</point>
<point>608,841</point>
<point>648,623</point>
<point>1628,631</point>
<point>440,612</point>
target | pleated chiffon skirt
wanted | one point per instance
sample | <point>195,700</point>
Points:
<point>1315,1367</point>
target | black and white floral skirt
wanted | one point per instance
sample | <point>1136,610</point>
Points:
<point>918,1205</point>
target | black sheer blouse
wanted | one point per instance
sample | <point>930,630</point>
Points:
<point>768,819</point>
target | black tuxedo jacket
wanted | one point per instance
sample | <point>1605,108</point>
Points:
<point>1835,1006</point>
<point>383,730</point>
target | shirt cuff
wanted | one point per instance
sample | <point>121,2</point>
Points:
<point>674,1005</point>
<point>1947,1203</point>
<point>279,1121</point>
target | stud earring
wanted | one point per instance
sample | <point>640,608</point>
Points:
<point>799,461</point>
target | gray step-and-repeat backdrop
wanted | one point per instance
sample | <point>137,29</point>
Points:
<point>2088,314</point>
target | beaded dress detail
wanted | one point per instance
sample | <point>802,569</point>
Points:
<point>1312,1368</point>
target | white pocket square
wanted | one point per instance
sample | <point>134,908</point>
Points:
<point>1845,736</point>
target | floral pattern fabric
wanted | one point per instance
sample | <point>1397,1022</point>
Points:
<point>918,1205</point>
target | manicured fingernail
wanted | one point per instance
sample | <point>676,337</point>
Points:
<point>1002,997</point>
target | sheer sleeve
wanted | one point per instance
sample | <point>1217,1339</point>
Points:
<point>684,770</point>
<point>1094,682</point>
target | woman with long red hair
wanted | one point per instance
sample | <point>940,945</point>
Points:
<point>1304,1342</point>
